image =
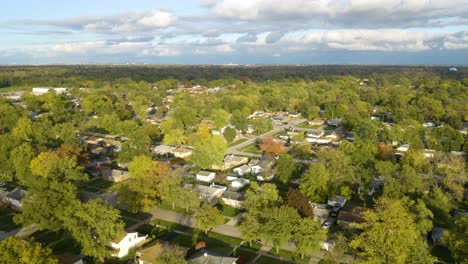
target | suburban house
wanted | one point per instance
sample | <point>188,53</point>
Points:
<point>317,122</point>
<point>162,150</point>
<point>123,243</point>
<point>115,175</point>
<point>182,152</point>
<point>210,194</point>
<point>315,134</point>
<point>334,122</point>
<point>231,161</point>
<point>44,90</point>
<point>15,197</point>
<point>242,170</point>
<point>331,136</point>
<point>234,199</point>
<point>349,215</point>
<point>205,256</point>
<point>337,200</point>
<point>206,176</point>
<point>239,183</point>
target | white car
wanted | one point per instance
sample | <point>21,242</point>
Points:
<point>328,223</point>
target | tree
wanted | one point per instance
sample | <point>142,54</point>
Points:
<point>337,254</point>
<point>171,254</point>
<point>230,134</point>
<point>250,227</point>
<point>298,200</point>
<point>261,197</point>
<point>239,120</point>
<point>315,183</point>
<point>261,125</point>
<point>209,152</point>
<point>422,216</point>
<point>220,118</point>
<point>308,235</point>
<point>174,137</point>
<point>390,234</point>
<point>21,157</point>
<point>23,129</point>
<point>142,192</point>
<point>14,250</point>
<point>278,228</point>
<point>273,145</point>
<point>285,167</point>
<point>45,205</point>
<point>94,225</point>
<point>208,217</point>
<point>456,240</point>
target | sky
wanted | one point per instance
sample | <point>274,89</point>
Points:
<point>234,32</point>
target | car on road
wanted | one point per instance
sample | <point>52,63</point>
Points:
<point>328,223</point>
<point>335,210</point>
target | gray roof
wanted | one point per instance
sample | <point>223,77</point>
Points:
<point>17,194</point>
<point>234,195</point>
<point>205,256</point>
<point>204,173</point>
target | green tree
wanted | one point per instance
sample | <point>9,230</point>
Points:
<point>315,183</point>
<point>208,217</point>
<point>94,225</point>
<point>250,227</point>
<point>308,235</point>
<point>239,120</point>
<point>172,254</point>
<point>390,234</point>
<point>422,216</point>
<point>45,205</point>
<point>230,134</point>
<point>220,118</point>
<point>278,229</point>
<point>23,129</point>
<point>14,250</point>
<point>261,125</point>
<point>21,156</point>
<point>207,153</point>
<point>285,167</point>
<point>261,197</point>
<point>174,137</point>
<point>456,240</point>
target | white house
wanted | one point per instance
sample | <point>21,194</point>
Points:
<point>206,176</point>
<point>239,183</point>
<point>162,149</point>
<point>210,194</point>
<point>403,147</point>
<point>256,169</point>
<point>234,199</point>
<point>320,141</point>
<point>182,152</point>
<point>242,170</point>
<point>44,90</point>
<point>125,242</point>
<point>315,134</point>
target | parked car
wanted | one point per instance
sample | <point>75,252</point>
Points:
<point>328,223</point>
<point>335,210</point>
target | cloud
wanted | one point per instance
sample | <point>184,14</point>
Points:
<point>273,37</point>
<point>350,13</point>
<point>249,37</point>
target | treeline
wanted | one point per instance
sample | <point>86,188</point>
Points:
<point>80,75</point>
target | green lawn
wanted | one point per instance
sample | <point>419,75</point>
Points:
<point>237,142</point>
<point>252,148</point>
<point>288,255</point>
<point>227,210</point>
<point>268,260</point>
<point>99,184</point>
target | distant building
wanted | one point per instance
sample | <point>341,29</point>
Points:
<point>210,194</point>
<point>44,90</point>
<point>205,176</point>
<point>124,242</point>
<point>453,69</point>
<point>115,175</point>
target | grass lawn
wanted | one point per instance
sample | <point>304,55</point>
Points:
<point>237,142</point>
<point>227,210</point>
<point>288,255</point>
<point>305,125</point>
<point>246,254</point>
<point>225,239</point>
<point>268,260</point>
<point>99,184</point>
<point>330,128</point>
<point>252,148</point>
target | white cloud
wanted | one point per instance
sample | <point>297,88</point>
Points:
<point>157,19</point>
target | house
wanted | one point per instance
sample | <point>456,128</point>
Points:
<point>182,152</point>
<point>429,153</point>
<point>239,183</point>
<point>349,215</point>
<point>319,141</point>
<point>242,170</point>
<point>334,122</point>
<point>44,90</point>
<point>205,256</point>
<point>255,170</point>
<point>231,161</point>
<point>337,200</point>
<point>403,147</point>
<point>162,150</point>
<point>294,114</point>
<point>315,134</point>
<point>15,197</point>
<point>234,199</point>
<point>68,258</point>
<point>316,122</point>
<point>331,136</point>
<point>124,242</point>
<point>210,194</point>
<point>206,176</point>
<point>453,69</point>
<point>115,175</point>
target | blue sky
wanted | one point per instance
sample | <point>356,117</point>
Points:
<point>235,31</point>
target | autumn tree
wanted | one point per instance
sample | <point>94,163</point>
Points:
<point>14,250</point>
<point>300,202</point>
<point>273,145</point>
